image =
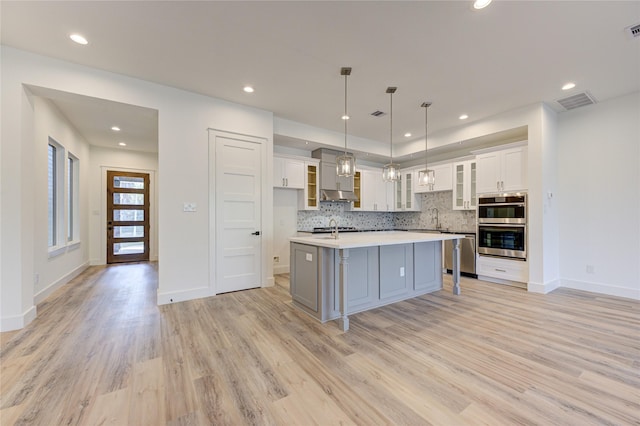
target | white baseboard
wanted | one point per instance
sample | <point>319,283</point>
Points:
<point>281,269</point>
<point>270,282</point>
<point>543,288</point>
<point>44,293</point>
<point>19,321</point>
<point>607,289</point>
<point>182,296</point>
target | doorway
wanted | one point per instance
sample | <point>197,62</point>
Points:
<point>127,217</point>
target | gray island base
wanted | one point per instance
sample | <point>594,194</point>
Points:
<point>333,278</point>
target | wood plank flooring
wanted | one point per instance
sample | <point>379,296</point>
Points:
<point>102,352</point>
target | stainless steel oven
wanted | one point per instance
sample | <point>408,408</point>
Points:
<point>502,226</point>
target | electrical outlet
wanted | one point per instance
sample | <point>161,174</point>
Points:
<point>402,271</point>
<point>591,269</point>
<point>276,259</point>
<point>36,278</point>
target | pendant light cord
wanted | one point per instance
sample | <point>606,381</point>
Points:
<point>426,124</point>
<point>346,116</point>
<point>391,127</point>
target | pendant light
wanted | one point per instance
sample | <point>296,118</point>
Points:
<point>426,177</point>
<point>345,164</point>
<point>391,171</point>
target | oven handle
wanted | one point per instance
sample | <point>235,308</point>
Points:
<point>501,204</point>
<point>502,225</point>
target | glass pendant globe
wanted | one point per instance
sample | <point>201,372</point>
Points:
<point>391,172</point>
<point>345,165</point>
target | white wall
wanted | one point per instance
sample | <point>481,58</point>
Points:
<point>285,215</point>
<point>184,117</point>
<point>599,197</point>
<point>51,272</point>
<point>103,159</point>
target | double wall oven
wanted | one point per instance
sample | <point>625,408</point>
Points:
<point>502,226</point>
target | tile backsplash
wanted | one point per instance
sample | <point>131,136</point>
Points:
<point>454,220</point>
<point>307,220</point>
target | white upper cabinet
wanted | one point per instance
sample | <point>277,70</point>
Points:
<point>406,198</point>
<point>288,172</point>
<point>502,171</point>
<point>464,185</point>
<point>375,194</point>
<point>443,179</point>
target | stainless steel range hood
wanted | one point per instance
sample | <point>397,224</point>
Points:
<point>335,195</point>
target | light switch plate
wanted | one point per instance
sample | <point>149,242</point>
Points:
<point>309,257</point>
<point>189,207</point>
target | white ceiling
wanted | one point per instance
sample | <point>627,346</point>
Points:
<point>482,63</point>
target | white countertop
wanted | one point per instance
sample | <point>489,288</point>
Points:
<point>368,239</point>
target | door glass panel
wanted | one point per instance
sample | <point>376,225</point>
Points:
<point>128,182</point>
<point>408,190</point>
<point>128,215</point>
<point>459,185</point>
<point>128,248</point>
<point>473,185</point>
<point>128,199</point>
<point>128,231</point>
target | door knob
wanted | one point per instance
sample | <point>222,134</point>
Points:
<point>255,233</point>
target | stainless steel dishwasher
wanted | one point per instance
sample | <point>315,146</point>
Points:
<point>467,255</point>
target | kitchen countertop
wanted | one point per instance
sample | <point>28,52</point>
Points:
<point>368,239</point>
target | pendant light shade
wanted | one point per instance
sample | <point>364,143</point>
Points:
<point>391,171</point>
<point>346,163</point>
<point>426,177</point>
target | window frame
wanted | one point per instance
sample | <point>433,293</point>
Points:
<point>63,218</point>
<point>72,201</point>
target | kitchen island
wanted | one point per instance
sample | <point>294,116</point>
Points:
<point>332,278</point>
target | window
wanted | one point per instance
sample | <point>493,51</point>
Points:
<point>63,181</point>
<point>73,182</point>
<point>52,195</point>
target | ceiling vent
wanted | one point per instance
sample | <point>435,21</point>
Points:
<point>378,113</point>
<point>577,101</point>
<point>633,31</point>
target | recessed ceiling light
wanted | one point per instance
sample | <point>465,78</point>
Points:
<point>78,39</point>
<point>122,144</point>
<point>481,4</point>
<point>407,135</point>
<point>463,117</point>
<point>115,128</point>
<point>248,89</point>
<point>568,86</point>
<point>345,117</point>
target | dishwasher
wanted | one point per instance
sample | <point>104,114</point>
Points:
<point>467,255</point>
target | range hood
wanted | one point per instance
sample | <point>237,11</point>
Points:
<point>336,195</point>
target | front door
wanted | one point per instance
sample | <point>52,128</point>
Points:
<point>238,195</point>
<point>127,217</point>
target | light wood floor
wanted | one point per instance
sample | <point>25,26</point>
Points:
<point>102,352</point>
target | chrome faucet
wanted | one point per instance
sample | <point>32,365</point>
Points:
<point>437,221</point>
<point>334,232</point>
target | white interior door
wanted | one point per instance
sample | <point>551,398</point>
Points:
<point>238,197</point>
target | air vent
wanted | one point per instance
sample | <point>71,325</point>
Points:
<point>633,31</point>
<point>378,113</point>
<point>577,101</point>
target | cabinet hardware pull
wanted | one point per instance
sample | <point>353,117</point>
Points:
<point>255,233</point>
<point>500,270</point>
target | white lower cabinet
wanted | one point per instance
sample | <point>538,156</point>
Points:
<point>503,269</point>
